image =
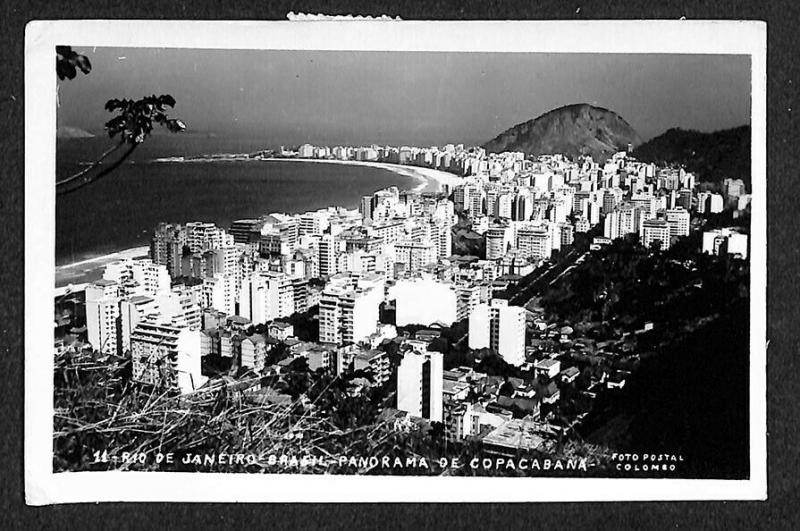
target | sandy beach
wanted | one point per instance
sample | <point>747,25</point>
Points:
<point>91,268</point>
<point>428,179</point>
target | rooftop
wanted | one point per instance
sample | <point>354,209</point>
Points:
<point>516,433</point>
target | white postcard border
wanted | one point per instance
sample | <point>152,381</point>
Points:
<point>685,37</point>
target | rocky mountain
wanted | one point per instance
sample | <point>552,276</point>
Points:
<point>710,156</point>
<point>579,129</point>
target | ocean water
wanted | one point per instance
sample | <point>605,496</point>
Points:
<point>121,210</point>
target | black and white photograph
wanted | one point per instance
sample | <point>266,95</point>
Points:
<point>410,258</point>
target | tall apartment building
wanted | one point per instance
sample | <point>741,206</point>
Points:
<point>181,307</point>
<point>375,362</point>
<point>328,249</point>
<point>167,357</point>
<point>102,311</point>
<point>716,204</point>
<point>420,382</point>
<point>365,208</point>
<point>582,225</point>
<point>535,242</point>
<point>254,352</point>
<point>656,230</point>
<point>678,219</point>
<point>222,261</point>
<point>646,203</point>
<point>622,221</point>
<point>725,241</point>
<point>266,296</point>
<point>504,206</point>
<point>389,231</point>
<point>278,237</point>
<point>498,239</point>
<point>201,236</point>
<point>467,297</point>
<point>166,247</point>
<point>733,188</point>
<point>499,327</point>
<point>424,301</point>
<point>442,237</point>
<point>709,202</point>
<point>314,222</point>
<point>219,292</point>
<point>685,198</point>
<point>415,254</point>
<point>140,276</point>
<point>246,230</point>
<point>349,307</point>
<point>132,311</point>
<point>566,233</point>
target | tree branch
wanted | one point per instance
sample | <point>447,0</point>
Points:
<point>105,171</point>
<point>92,166</point>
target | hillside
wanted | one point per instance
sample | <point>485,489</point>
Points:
<point>711,156</point>
<point>574,130</point>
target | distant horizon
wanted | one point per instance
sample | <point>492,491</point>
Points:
<point>244,135</point>
<point>406,98</point>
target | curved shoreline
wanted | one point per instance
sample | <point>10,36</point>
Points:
<point>428,179</point>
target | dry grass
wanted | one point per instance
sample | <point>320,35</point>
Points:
<point>98,408</point>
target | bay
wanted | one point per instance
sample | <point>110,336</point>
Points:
<point>121,210</point>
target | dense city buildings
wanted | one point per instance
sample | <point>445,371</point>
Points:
<point>378,295</point>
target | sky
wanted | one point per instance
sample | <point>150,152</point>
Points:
<point>401,98</point>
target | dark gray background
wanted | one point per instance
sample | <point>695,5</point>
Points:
<point>783,296</point>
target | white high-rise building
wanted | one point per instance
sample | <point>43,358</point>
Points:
<point>479,331</point>
<point>132,311</point>
<point>138,276</point>
<point>725,240</point>
<point>349,308</point>
<point>414,255</point>
<point>678,219</point>
<point>716,203</point>
<point>498,239</point>
<point>499,327</point>
<point>503,206</point>
<point>328,249</point>
<point>202,236</point>
<point>424,301</point>
<point>622,221</point>
<point>420,383</point>
<point>102,311</point>
<point>314,222</point>
<point>167,356</point>
<point>266,296</point>
<point>467,297</point>
<point>219,293</point>
<point>535,242</point>
<point>181,307</point>
<point>656,230</point>
<point>702,202</point>
<point>442,238</point>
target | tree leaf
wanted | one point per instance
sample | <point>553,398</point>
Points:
<point>175,125</point>
<point>83,63</point>
<point>166,99</point>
